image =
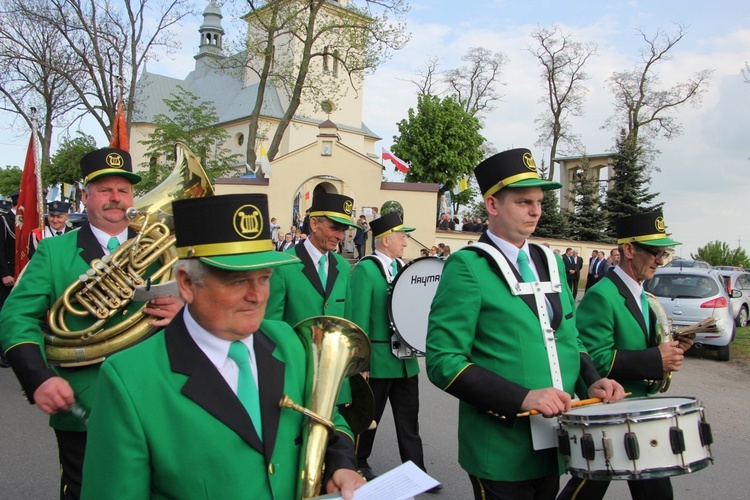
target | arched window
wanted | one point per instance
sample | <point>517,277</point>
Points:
<point>325,60</point>
<point>335,63</point>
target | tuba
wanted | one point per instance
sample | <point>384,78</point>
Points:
<point>666,333</point>
<point>108,286</point>
<point>337,348</point>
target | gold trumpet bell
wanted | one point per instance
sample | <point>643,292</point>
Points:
<point>78,332</point>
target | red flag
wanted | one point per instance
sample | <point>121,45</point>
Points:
<point>400,164</point>
<point>119,137</point>
<point>28,211</point>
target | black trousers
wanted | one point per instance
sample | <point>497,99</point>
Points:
<point>403,393</point>
<point>544,488</point>
<point>645,489</point>
<point>71,446</point>
<point>573,284</point>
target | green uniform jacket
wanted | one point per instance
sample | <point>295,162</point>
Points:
<point>167,425</point>
<point>297,294</point>
<point>485,347</point>
<point>613,331</point>
<point>370,312</point>
<point>57,263</point>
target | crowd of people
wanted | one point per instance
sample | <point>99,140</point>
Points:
<point>195,407</point>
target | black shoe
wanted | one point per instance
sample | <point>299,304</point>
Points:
<point>367,473</point>
<point>435,489</point>
<point>4,363</point>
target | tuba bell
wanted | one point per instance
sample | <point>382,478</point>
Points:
<point>107,287</point>
<point>337,348</point>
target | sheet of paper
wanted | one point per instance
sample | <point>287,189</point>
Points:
<point>543,432</point>
<point>168,289</point>
<point>402,483</point>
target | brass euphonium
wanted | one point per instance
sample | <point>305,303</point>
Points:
<point>108,286</point>
<point>337,348</point>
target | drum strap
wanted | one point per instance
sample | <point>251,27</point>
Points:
<point>381,265</point>
<point>538,290</point>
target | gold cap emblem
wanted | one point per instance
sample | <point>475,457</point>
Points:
<point>529,162</point>
<point>659,224</point>
<point>248,222</point>
<point>348,207</point>
<point>114,160</point>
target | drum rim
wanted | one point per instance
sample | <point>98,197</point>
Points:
<point>391,287</point>
<point>690,406</point>
<point>659,472</point>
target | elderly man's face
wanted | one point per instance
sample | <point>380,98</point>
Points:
<point>326,234</point>
<point>57,221</point>
<point>229,304</point>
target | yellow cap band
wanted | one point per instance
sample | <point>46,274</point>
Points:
<point>106,171</point>
<point>233,248</point>
<point>392,230</point>
<point>330,214</point>
<point>510,180</point>
<point>645,237</point>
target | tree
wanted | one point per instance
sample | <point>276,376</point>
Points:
<point>586,222</point>
<point>441,140</point>
<point>563,76</point>
<point>717,253</point>
<point>347,41</point>
<point>10,180</point>
<point>33,58</point>
<point>107,44</point>
<point>552,223</point>
<point>645,109</point>
<point>473,84</point>
<point>65,165</point>
<point>189,122</point>
<point>629,187</point>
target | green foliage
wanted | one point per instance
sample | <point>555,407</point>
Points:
<point>629,187</point>
<point>586,223</point>
<point>718,253</point>
<point>441,140</point>
<point>65,164</point>
<point>10,180</point>
<point>552,223</point>
<point>392,206</point>
<point>189,122</point>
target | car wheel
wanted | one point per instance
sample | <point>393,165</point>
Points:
<point>742,317</point>
<point>722,352</point>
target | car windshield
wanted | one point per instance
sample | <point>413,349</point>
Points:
<point>682,286</point>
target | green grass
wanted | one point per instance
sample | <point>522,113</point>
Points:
<point>741,344</point>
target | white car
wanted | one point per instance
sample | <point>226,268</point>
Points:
<point>689,295</point>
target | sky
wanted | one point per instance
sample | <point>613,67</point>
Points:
<point>704,174</point>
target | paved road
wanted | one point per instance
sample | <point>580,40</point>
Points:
<point>28,463</point>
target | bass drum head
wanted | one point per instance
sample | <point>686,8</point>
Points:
<point>410,298</point>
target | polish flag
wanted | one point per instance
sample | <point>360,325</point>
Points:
<point>400,164</point>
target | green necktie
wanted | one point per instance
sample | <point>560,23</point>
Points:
<point>523,266</point>
<point>644,308</point>
<point>247,391</point>
<point>112,244</point>
<point>322,270</point>
<point>394,268</point>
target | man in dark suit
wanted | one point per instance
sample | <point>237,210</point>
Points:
<point>579,265</point>
<point>286,244</point>
<point>57,263</point>
<point>56,225</point>
<point>570,268</point>
<point>593,264</point>
<point>8,248</point>
<point>194,410</point>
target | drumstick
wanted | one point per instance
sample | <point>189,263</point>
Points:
<point>574,404</point>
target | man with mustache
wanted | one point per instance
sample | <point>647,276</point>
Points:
<point>57,263</point>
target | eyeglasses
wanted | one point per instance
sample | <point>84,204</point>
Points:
<point>657,253</point>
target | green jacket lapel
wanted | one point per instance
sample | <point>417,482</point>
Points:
<point>310,271</point>
<point>630,303</point>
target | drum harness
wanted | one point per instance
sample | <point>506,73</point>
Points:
<point>389,278</point>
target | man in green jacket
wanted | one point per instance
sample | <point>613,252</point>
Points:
<point>502,339</point>
<point>57,264</point>
<point>391,379</point>
<point>193,412</point>
<point>619,331</point>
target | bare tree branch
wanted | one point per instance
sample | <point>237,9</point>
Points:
<point>475,83</point>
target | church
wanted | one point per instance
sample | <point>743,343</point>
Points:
<point>326,148</point>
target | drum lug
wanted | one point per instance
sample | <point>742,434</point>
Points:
<point>607,445</point>
<point>676,440</point>
<point>563,441</point>
<point>588,450</point>
<point>704,429</point>
<point>632,450</point>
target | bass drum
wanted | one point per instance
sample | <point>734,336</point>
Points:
<point>409,301</point>
<point>639,438</point>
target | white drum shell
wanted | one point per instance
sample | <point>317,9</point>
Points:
<point>409,302</point>
<point>650,419</point>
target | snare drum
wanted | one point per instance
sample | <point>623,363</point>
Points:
<point>639,438</point>
<point>409,301</point>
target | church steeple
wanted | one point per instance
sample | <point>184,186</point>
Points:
<point>211,31</point>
